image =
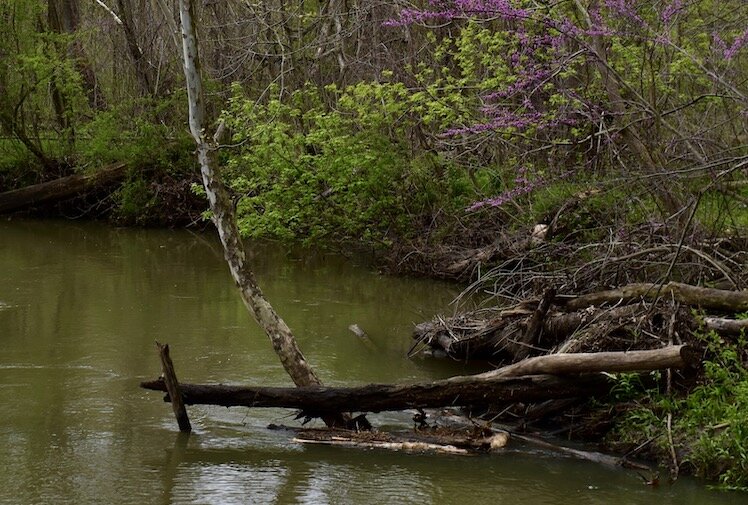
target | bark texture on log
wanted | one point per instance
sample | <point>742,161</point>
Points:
<point>726,326</point>
<point>60,189</point>
<point>677,356</point>
<point>524,345</point>
<point>457,391</point>
<point>498,386</point>
<point>706,298</point>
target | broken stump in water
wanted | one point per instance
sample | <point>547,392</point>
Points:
<point>173,389</point>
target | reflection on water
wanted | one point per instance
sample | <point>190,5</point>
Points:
<point>81,305</point>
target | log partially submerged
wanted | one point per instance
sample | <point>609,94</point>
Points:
<point>499,386</point>
<point>464,440</point>
<point>169,376</point>
<point>317,401</point>
<point>60,189</point>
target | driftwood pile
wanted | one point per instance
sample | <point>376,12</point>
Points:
<point>556,351</point>
<point>636,316</point>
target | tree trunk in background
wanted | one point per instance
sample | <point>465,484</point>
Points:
<point>143,70</point>
<point>63,16</point>
<point>222,209</point>
<point>651,161</point>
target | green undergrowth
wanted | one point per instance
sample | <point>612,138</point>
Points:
<point>709,423</point>
<point>338,165</point>
<point>156,151</point>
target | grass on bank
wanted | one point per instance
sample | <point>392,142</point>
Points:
<point>709,427</point>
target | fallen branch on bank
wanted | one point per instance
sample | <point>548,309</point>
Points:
<point>705,298</point>
<point>630,317</point>
<point>61,189</point>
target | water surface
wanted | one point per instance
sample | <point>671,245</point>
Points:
<point>80,308</point>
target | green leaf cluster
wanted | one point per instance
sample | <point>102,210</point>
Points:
<point>336,164</point>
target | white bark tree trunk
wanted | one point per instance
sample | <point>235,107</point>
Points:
<point>223,217</point>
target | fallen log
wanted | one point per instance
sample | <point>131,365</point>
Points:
<point>498,386</point>
<point>726,326</point>
<point>457,391</point>
<point>676,356</point>
<point>706,298</point>
<point>60,189</point>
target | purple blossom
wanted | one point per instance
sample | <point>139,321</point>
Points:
<point>624,8</point>
<point>523,187</point>
<point>456,9</point>
<point>739,42</point>
<point>501,119</point>
<point>729,52</point>
<point>671,10</point>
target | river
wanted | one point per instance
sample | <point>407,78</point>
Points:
<point>80,307</point>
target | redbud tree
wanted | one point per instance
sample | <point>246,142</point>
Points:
<point>652,91</point>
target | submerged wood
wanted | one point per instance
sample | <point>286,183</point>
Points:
<point>390,446</point>
<point>463,440</point>
<point>60,189</point>
<point>172,386</point>
<point>520,382</point>
<point>457,391</point>
<point>595,457</point>
<point>706,298</point>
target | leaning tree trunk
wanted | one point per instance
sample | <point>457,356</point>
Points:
<point>222,208</point>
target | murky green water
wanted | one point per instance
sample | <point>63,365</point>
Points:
<point>80,307</point>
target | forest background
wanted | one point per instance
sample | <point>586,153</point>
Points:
<point>443,137</point>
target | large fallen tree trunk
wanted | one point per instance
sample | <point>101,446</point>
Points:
<point>60,189</point>
<point>676,356</point>
<point>499,386</point>
<point>317,401</point>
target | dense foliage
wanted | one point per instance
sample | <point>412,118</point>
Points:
<point>707,431</point>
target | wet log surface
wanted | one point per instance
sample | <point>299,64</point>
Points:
<point>457,391</point>
<point>172,386</point>
<point>527,381</point>
<point>440,439</point>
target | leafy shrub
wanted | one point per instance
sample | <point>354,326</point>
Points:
<point>709,425</point>
<point>308,171</point>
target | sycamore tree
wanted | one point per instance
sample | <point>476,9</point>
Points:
<point>222,211</point>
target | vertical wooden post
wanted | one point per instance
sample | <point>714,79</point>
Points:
<point>172,386</point>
